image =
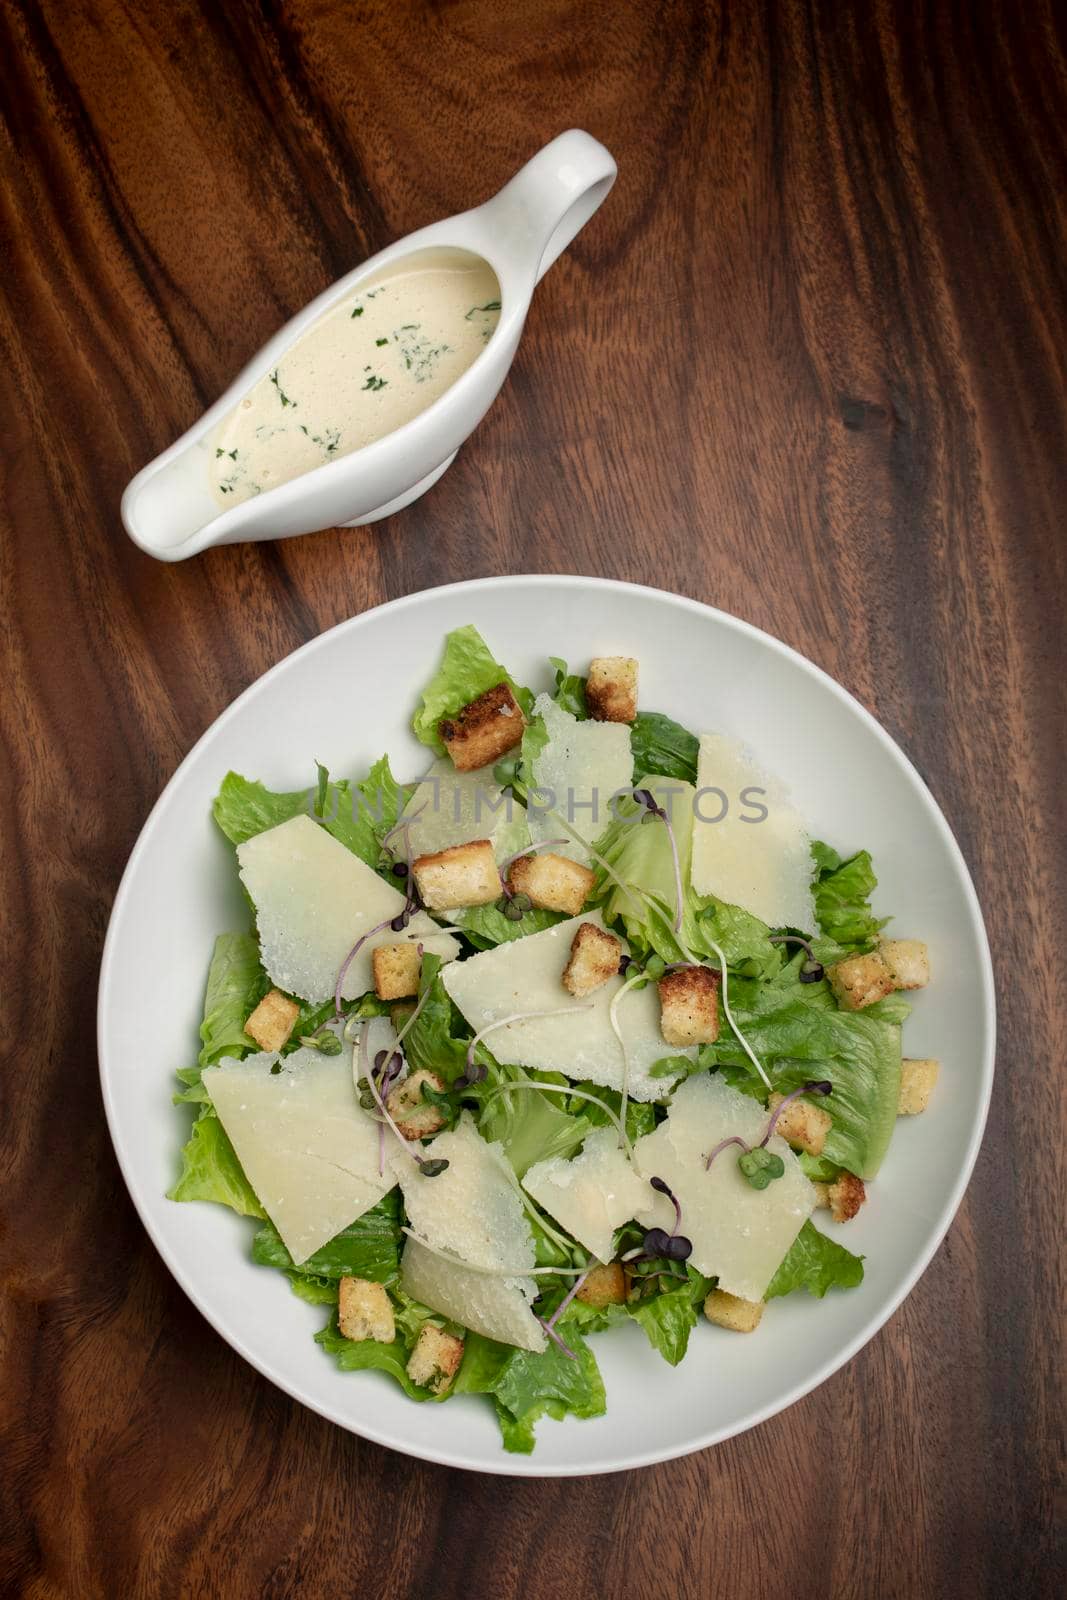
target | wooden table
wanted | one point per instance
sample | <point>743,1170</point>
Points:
<point>807,364</point>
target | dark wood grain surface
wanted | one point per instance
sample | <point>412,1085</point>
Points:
<point>806,364</point>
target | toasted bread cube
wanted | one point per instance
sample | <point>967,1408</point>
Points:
<point>908,962</point>
<point>801,1124</point>
<point>273,1020</point>
<point>847,1194</point>
<point>484,730</point>
<point>611,689</point>
<point>396,970</point>
<point>689,1006</point>
<point>822,1196</point>
<point>594,958</point>
<point>730,1311</point>
<point>462,875</point>
<point>604,1286</point>
<point>555,883</point>
<point>414,1115</point>
<point>859,981</point>
<point>435,1358</point>
<point>917,1079</point>
<point>364,1311</point>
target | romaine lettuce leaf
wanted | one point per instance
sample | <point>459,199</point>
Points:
<point>368,1355</point>
<point>467,670</point>
<point>663,747</point>
<point>640,854</point>
<point>236,983</point>
<point>842,892</point>
<point>669,1318</point>
<point>211,1170</point>
<point>569,693</point>
<point>802,1039</point>
<point>526,1386</point>
<point>816,1263</point>
<point>486,926</point>
<point>367,1248</point>
<point>356,814</point>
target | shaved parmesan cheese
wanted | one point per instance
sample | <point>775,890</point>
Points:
<point>526,975</point>
<point>591,1195</point>
<point>313,900</point>
<point>578,773</point>
<point>308,1150</point>
<point>498,1308</point>
<point>740,1235</point>
<point>472,1210</point>
<point>450,807</point>
<point>763,865</point>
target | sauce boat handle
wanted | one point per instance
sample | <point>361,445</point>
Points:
<point>539,211</point>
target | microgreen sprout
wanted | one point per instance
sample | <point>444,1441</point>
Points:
<point>742,1041</point>
<point>759,1166</point>
<point>362,1069</point>
<point>505,772</point>
<point>324,1041</point>
<point>613,1019</point>
<point>554,1336</point>
<point>811,970</point>
<point>431,1168</point>
<point>723,1144</point>
<point>662,1187</point>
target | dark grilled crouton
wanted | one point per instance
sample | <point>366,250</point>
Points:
<point>611,689</point>
<point>484,730</point>
<point>846,1195</point>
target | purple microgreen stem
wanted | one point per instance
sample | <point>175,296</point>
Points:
<point>663,1188</point>
<point>567,1298</point>
<point>554,1336</point>
<point>363,1069</point>
<point>723,1144</point>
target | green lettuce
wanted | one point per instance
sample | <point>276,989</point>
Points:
<point>211,1170</point>
<point>797,1032</point>
<point>486,926</point>
<point>663,748</point>
<point>467,670</point>
<point>236,983</point>
<point>816,1263</point>
<point>569,693</point>
<point>367,1355</point>
<point>842,891</point>
<point>356,814</point>
<point>640,855</point>
<point>669,1318</point>
<point>526,1386</point>
<point>367,1248</point>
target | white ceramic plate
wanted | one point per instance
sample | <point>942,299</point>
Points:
<point>346,697</point>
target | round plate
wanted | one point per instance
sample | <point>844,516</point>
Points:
<point>344,699</point>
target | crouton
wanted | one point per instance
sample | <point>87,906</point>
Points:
<point>594,958</point>
<point>859,981</point>
<point>917,1079</point>
<point>435,1358</point>
<point>555,883</point>
<point>689,1006</point>
<point>396,970</point>
<point>484,730</point>
<point>908,962</point>
<point>730,1311</point>
<point>801,1124</point>
<point>604,1286</point>
<point>611,689</point>
<point>273,1020</point>
<point>414,1115</point>
<point>364,1311</point>
<point>846,1195</point>
<point>822,1196</point>
<point>462,875</point>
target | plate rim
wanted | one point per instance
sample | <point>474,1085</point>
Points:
<point>510,1466</point>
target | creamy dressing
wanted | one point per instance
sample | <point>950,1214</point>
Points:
<point>372,363</point>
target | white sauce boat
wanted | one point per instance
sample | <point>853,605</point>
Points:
<point>169,509</point>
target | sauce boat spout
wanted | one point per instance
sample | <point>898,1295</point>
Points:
<point>359,404</point>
